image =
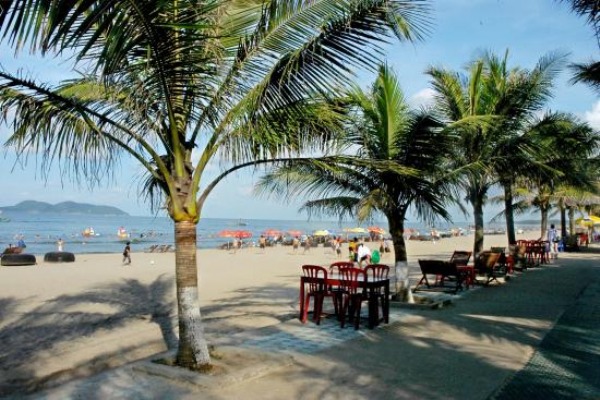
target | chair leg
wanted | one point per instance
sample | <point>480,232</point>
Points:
<point>319,299</point>
<point>306,304</point>
<point>344,308</point>
<point>357,306</point>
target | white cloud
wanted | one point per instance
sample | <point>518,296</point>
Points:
<point>422,99</point>
<point>593,117</point>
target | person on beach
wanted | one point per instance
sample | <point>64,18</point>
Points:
<point>262,242</point>
<point>553,241</point>
<point>307,245</point>
<point>363,254</point>
<point>337,246</point>
<point>295,244</point>
<point>387,245</point>
<point>127,254</point>
<point>352,250</point>
<point>60,244</point>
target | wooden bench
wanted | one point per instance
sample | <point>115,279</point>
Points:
<point>442,270</point>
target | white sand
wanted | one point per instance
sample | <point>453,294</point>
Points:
<point>67,320</point>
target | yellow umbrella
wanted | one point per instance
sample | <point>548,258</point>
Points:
<point>322,232</point>
<point>355,230</point>
<point>588,221</point>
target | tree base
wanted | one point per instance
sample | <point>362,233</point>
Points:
<point>403,295</point>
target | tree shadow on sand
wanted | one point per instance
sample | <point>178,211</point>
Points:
<point>65,318</point>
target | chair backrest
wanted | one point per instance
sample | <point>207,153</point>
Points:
<point>486,260</point>
<point>314,271</point>
<point>352,279</point>
<point>460,257</point>
<point>377,272</point>
<point>334,268</point>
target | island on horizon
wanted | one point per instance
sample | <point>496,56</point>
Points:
<point>64,208</point>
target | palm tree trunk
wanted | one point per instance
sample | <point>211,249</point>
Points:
<point>402,285</point>
<point>571,220</point>
<point>509,214</point>
<point>478,216</point>
<point>193,348</point>
<point>563,220</point>
<point>544,221</point>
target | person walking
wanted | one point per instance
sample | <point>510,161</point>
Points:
<point>553,242</point>
<point>60,244</point>
<point>127,254</point>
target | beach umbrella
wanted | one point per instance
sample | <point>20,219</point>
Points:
<point>322,232</point>
<point>226,233</point>
<point>588,221</point>
<point>377,230</point>
<point>272,233</point>
<point>242,234</point>
<point>355,230</point>
<point>234,233</point>
<point>294,232</point>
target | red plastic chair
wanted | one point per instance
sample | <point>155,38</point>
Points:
<point>377,272</point>
<point>335,267</point>
<point>335,271</point>
<point>316,290</point>
<point>351,295</point>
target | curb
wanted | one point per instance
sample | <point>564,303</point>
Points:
<point>260,365</point>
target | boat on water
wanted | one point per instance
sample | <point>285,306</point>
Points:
<point>89,232</point>
<point>3,218</point>
<point>122,233</point>
<point>241,223</point>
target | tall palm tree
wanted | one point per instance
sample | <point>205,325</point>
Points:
<point>176,84</point>
<point>392,159</point>
<point>524,155</point>
<point>485,108</point>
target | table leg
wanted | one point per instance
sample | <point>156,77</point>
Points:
<point>386,302</point>
<point>372,308</point>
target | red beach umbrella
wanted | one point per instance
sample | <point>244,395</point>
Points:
<point>294,232</point>
<point>240,234</point>
<point>377,230</point>
<point>272,233</point>
<point>226,233</point>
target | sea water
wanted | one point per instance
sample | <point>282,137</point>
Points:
<point>41,232</point>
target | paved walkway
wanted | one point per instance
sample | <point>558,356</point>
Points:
<point>567,364</point>
<point>537,336</point>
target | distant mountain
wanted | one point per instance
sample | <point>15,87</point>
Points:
<point>66,207</point>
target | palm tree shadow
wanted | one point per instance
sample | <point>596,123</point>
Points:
<point>67,318</point>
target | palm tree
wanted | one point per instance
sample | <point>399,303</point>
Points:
<point>486,109</point>
<point>524,155</point>
<point>588,73</point>
<point>176,84</point>
<point>392,159</point>
<point>589,9</point>
<point>570,165</point>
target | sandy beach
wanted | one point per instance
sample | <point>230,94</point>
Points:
<point>63,321</point>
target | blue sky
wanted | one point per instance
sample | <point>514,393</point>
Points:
<point>462,29</point>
